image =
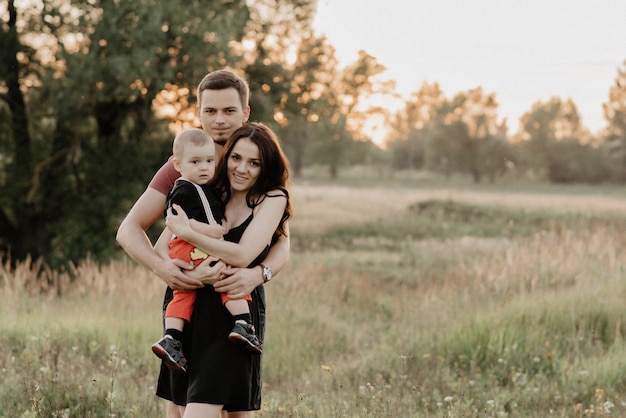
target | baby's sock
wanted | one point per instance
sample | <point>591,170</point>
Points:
<point>174,333</point>
<point>243,318</point>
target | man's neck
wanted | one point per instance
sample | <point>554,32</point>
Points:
<point>218,150</point>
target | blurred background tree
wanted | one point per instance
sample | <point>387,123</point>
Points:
<point>615,113</point>
<point>555,146</point>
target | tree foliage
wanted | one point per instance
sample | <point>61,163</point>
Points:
<point>457,135</point>
<point>615,113</point>
<point>555,145</point>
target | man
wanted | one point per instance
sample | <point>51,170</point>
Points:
<point>222,108</point>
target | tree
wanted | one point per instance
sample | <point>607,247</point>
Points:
<point>414,126</point>
<point>615,113</point>
<point>357,83</point>
<point>466,134</point>
<point>298,110</point>
<point>556,145</point>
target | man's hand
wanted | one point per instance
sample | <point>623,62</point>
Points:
<point>170,272</point>
<point>208,272</point>
<point>239,281</point>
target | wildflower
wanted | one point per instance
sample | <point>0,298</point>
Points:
<point>325,368</point>
<point>608,405</point>
<point>448,399</point>
<point>520,379</point>
<point>491,402</point>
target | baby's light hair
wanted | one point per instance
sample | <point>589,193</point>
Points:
<point>191,136</point>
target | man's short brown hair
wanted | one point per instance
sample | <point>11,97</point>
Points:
<point>224,79</point>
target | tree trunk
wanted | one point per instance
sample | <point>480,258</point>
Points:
<point>22,232</point>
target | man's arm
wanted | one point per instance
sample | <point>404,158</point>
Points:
<point>131,235</point>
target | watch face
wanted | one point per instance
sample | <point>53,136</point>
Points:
<point>267,273</point>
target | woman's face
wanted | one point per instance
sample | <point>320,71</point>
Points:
<point>244,165</point>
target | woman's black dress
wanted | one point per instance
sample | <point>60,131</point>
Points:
<point>218,372</point>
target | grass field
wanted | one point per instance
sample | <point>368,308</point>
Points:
<point>401,299</point>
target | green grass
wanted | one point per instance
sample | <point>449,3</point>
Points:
<point>443,220</point>
<point>78,358</point>
<point>450,309</point>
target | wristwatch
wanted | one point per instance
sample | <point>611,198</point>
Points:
<point>267,273</point>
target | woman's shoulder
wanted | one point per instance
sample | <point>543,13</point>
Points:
<point>277,192</point>
<point>267,197</point>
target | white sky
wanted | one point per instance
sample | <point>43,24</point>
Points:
<point>524,51</point>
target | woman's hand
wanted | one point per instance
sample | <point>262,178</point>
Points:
<point>209,271</point>
<point>239,281</point>
<point>177,221</point>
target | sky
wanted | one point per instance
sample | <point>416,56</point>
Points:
<point>524,51</point>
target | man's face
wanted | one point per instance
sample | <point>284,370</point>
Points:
<point>220,113</point>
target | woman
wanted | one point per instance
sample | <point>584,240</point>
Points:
<point>251,178</point>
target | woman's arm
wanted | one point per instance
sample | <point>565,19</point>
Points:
<point>241,281</point>
<point>257,236</point>
<point>279,253</point>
